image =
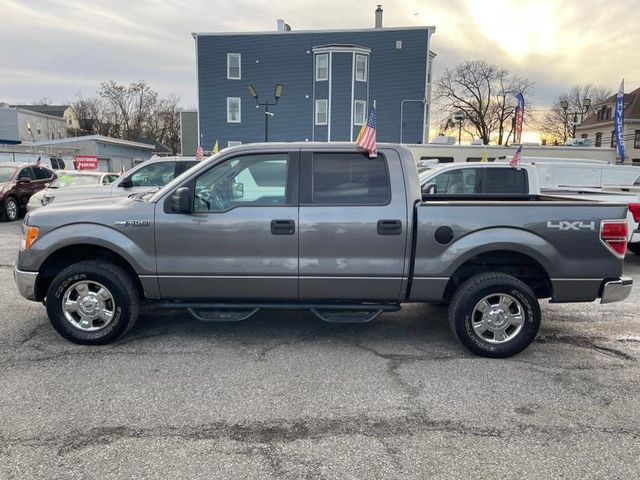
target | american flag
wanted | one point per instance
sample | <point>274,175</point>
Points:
<point>515,161</point>
<point>199,152</point>
<point>367,137</point>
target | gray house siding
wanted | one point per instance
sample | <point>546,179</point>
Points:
<point>288,58</point>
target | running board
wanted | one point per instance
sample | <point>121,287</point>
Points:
<point>236,312</point>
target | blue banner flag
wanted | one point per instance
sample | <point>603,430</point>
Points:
<point>618,122</point>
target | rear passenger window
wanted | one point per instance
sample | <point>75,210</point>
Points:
<point>459,181</point>
<point>505,180</point>
<point>349,179</point>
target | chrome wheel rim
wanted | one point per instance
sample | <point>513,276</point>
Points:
<point>88,306</point>
<point>12,210</point>
<point>497,318</point>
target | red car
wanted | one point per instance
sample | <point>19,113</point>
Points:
<point>17,183</point>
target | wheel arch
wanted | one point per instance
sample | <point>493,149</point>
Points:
<point>70,254</point>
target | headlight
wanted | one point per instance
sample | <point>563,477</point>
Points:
<point>47,199</point>
<point>28,235</point>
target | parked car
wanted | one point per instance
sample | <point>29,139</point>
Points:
<point>67,179</point>
<point>17,183</point>
<point>500,178</point>
<point>153,173</point>
<point>325,228</point>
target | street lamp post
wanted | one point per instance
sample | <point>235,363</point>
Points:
<point>266,104</point>
<point>584,108</point>
<point>459,117</point>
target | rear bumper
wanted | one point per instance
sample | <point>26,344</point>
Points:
<point>26,283</point>
<point>616,290</point>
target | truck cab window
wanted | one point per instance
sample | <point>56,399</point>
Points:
<point>460,181</point>
<point>349,179</point>
<point>505,180</point>
<point>243,181</point>
<point>154,175</point>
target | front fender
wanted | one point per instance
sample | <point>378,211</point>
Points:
<point>135,245</point>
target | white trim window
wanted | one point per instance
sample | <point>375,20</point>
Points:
<point>321,112</point>
<point>362,68</point>
<point>233,143</point>
<point>234,110</point>
<point>359,112</point>
<point>234,66</point>
<point>322,67</point>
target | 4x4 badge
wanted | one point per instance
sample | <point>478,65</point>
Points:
<point>134,223</point>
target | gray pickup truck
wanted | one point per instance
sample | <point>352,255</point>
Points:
<point>320,227</point>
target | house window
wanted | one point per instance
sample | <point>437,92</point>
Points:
<point>613,138</point>
<point>233,110</point>
<point>361,68</point>
<point>599,139</point>
<point>636,139</point>
<point>360,112</point>
<point>321,112</point>
<point>233,66</point>
<point>233,143</point>
<point>584,135</point>
<point>322,67</point>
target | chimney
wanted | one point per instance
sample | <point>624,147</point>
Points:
<point>379,16</point>
<point>280,25</point>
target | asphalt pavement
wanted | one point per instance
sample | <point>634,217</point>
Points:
<point>284,395</point>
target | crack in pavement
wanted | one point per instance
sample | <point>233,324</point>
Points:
<point>283,431</point>
<point>586,342</point>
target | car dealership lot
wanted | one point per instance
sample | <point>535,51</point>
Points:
<point>286,395</point>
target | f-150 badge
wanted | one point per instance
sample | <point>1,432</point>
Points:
<point>133,223</point>
<point>571,225</point>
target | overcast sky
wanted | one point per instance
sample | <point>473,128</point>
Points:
<point>61,48</point>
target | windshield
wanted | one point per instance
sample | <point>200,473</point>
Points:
<point>176,181</point>
<point>74,180</point>
<point>6,173</point>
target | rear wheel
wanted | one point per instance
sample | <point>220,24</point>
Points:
<point>92,302</point>
<point>634,247</point>
<point>495,315</point>
<point>10,210</point>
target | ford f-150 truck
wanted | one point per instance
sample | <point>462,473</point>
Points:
<point>320,226</point>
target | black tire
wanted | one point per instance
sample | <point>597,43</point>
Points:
<point>634,248</point>
<point>489,285</point>
<point>124,304</point>
<point>10,210</point>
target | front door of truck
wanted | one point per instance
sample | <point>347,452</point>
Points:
<point>353,227</point>
<point>241,241</point>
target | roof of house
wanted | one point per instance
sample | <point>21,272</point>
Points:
<point>631,109</point>
<point>96,138</point>
<point>295,32</point>
<point>158,147</point>
<point>53,110</point>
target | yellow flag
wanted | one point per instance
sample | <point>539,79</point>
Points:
<point>215,147</point>
<point>485,157</point>
<point>361,132</point>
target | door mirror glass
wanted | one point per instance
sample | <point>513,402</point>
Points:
<point>238,190</point>
<point>181,200</point>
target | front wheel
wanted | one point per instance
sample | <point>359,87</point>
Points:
<point>92,302</point>
<point>11,210</point>
<point>495,315</point>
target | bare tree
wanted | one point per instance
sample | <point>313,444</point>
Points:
<point>556,125</point>
<point>485,93</point>
<point>131,112</point>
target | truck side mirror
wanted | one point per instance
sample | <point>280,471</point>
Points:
<point>125,183</point>
<point>429,189</point>
<point>181,201</point>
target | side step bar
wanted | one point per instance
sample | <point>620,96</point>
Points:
<point>236,312</point>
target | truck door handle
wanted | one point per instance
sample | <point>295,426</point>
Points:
<point>283,227</point>
<point>389,227</point>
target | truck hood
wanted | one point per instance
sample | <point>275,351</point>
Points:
<point>104,211</point>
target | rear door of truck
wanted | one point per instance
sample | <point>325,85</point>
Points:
<point>353,226</point>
